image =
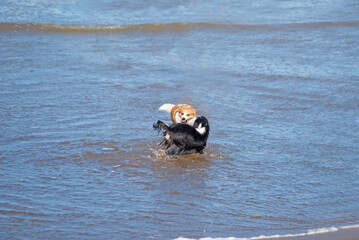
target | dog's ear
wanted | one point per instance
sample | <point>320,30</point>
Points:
<point>204,121</point>
<point>175,109</point>
<point>196,123</point>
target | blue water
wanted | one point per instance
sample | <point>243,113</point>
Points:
<point>81,83</point>
<point>109,12</point>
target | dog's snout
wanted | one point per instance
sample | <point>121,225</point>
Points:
<point>183,118</point>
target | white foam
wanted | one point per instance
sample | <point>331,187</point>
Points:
<point>263,237</point>
<point>350,226</point>
<point>108,149</point>
<point>322,230</point>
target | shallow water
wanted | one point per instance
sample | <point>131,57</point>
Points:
<point>80,86</point>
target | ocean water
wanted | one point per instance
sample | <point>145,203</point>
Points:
<point>80,87</point>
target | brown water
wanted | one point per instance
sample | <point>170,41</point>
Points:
<point>79,91</point>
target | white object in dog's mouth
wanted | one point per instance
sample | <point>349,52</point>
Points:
<point>184,121</point>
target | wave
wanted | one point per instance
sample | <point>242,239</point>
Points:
<point>262,237</point>
<point>164,27</point>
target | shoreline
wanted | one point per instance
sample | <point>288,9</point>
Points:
<point>343,233</point>
<point>332,233</point>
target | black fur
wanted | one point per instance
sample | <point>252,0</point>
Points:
<point>185,137</point>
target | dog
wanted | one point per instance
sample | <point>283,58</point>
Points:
<point>191,139</point>
<point>180,113</point>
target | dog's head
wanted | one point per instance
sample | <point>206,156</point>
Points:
<point>201,125</point>
<point>186,114</point>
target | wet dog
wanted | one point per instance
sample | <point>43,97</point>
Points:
<point>180,113</point>
<point>186,138</point>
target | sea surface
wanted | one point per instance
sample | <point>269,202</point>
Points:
<point>80,87</point>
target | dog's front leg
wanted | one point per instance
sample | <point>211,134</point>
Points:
<point>179,150</point>
<point>162,144</point>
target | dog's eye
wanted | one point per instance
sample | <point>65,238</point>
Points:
<point>187,115</point>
